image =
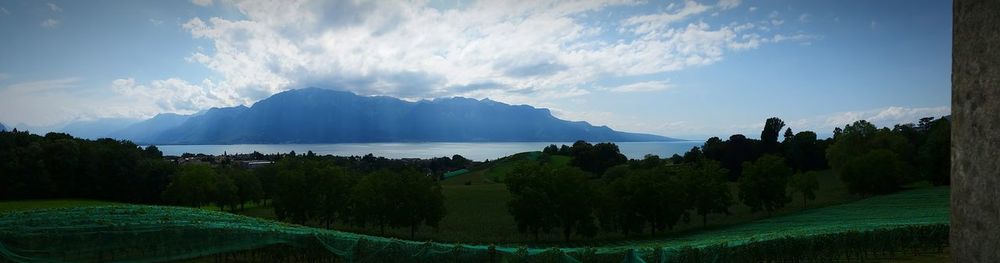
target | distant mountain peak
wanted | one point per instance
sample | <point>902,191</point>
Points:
<point>317,115</point>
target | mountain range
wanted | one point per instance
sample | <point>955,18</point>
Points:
<point>314,115</point>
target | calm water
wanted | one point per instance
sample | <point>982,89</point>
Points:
<point>474,151</point>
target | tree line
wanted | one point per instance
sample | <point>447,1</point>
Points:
<point>302,188</point>
<point>603,191</point>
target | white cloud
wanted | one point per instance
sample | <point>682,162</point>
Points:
<point>3,11</point>
<point>516,52</point>
<point>873,24</point>
<point>50,23</point>
<point>729,4</point>
<point>155,22</point>
<point>54,7</point>
<point>647,23</point>
<point>881,117</point>
<point>804,18</point>
<point>752,8</point>
<point>175,95</point>
<point>202,2</point>
<point>647,86</point>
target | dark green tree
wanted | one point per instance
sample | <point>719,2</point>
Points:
<point>694,155</point>
<point>544,198</point>
<point>530,203</point>
<point>193,186</point>
<point>860,138</point>
<point>707,188</point>
<point>769,136</point>
<point>878,171</point>
<point>806,184</point>
<point>764,183</point>
<point>935,153</point>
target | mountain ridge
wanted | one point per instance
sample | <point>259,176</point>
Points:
<point>314,115</point>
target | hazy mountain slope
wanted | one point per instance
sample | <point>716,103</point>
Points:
<point>315,115</point>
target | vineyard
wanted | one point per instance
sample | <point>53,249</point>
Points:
<point>910,222</point>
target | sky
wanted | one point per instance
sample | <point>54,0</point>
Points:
<point>685,69</point>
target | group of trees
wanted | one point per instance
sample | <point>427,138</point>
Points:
<point>58,165</point>
<point>360,190</point>
<point>801,151</point>
<point>651,194</point>
<point>315,189</point>
<point>877,161</point>
<point>225,187</point>
<point>632,196</point>
<point>311,189</point>
<point>592,158</point>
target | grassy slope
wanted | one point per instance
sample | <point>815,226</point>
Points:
<point>8,206</point>
<point>62,227</point>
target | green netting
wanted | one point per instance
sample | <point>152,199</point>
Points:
<point>909,222</point>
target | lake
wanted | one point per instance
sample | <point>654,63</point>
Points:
<point>477,151</point>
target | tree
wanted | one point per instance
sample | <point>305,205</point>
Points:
<point>333,192</point>
<point>530,203</point>
<point>225,194</point>
<point>544,198</point>
<point>596,158</point>
<point>418,202</point>
<point>763,184</point>
<point>248,187</point>
<point>694,155</point>
<point>615,172</point>
<point>805,184</point>
<point>397,199</point>
<point>788,134</point>
<point>192,186</point>
<point>849,142</point>
<point>676,159</point>
<point>859,139</point>
<point>875,172</point>
<point>804,153</point>
<point>714,148</point>
<point>552,149</point>
<point>769,136</point>
<point>658,197</point>
<point>738,149</point>
<point>152,152</point>
<point>573,199</point>
<point>935,153</point>
<point>707,191</point>
<point>371,200</point>
<point>294,198</point>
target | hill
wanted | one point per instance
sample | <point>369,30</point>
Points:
<point>314,115</point>
<point>879,227</point>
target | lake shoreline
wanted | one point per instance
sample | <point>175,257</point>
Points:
<point>478,151</point>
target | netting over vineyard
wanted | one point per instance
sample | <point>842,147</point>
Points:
<point>902,223</point>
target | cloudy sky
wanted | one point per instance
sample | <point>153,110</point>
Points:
<point>689,69</point>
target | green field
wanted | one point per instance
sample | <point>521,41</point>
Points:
<point>7,206</point>
<point>914,221</point>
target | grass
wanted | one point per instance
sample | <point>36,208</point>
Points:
<point>9,206</point>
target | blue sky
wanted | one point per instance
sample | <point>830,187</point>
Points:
<point>689,69</point>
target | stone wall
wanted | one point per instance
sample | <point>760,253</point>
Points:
<point>975,150</point>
